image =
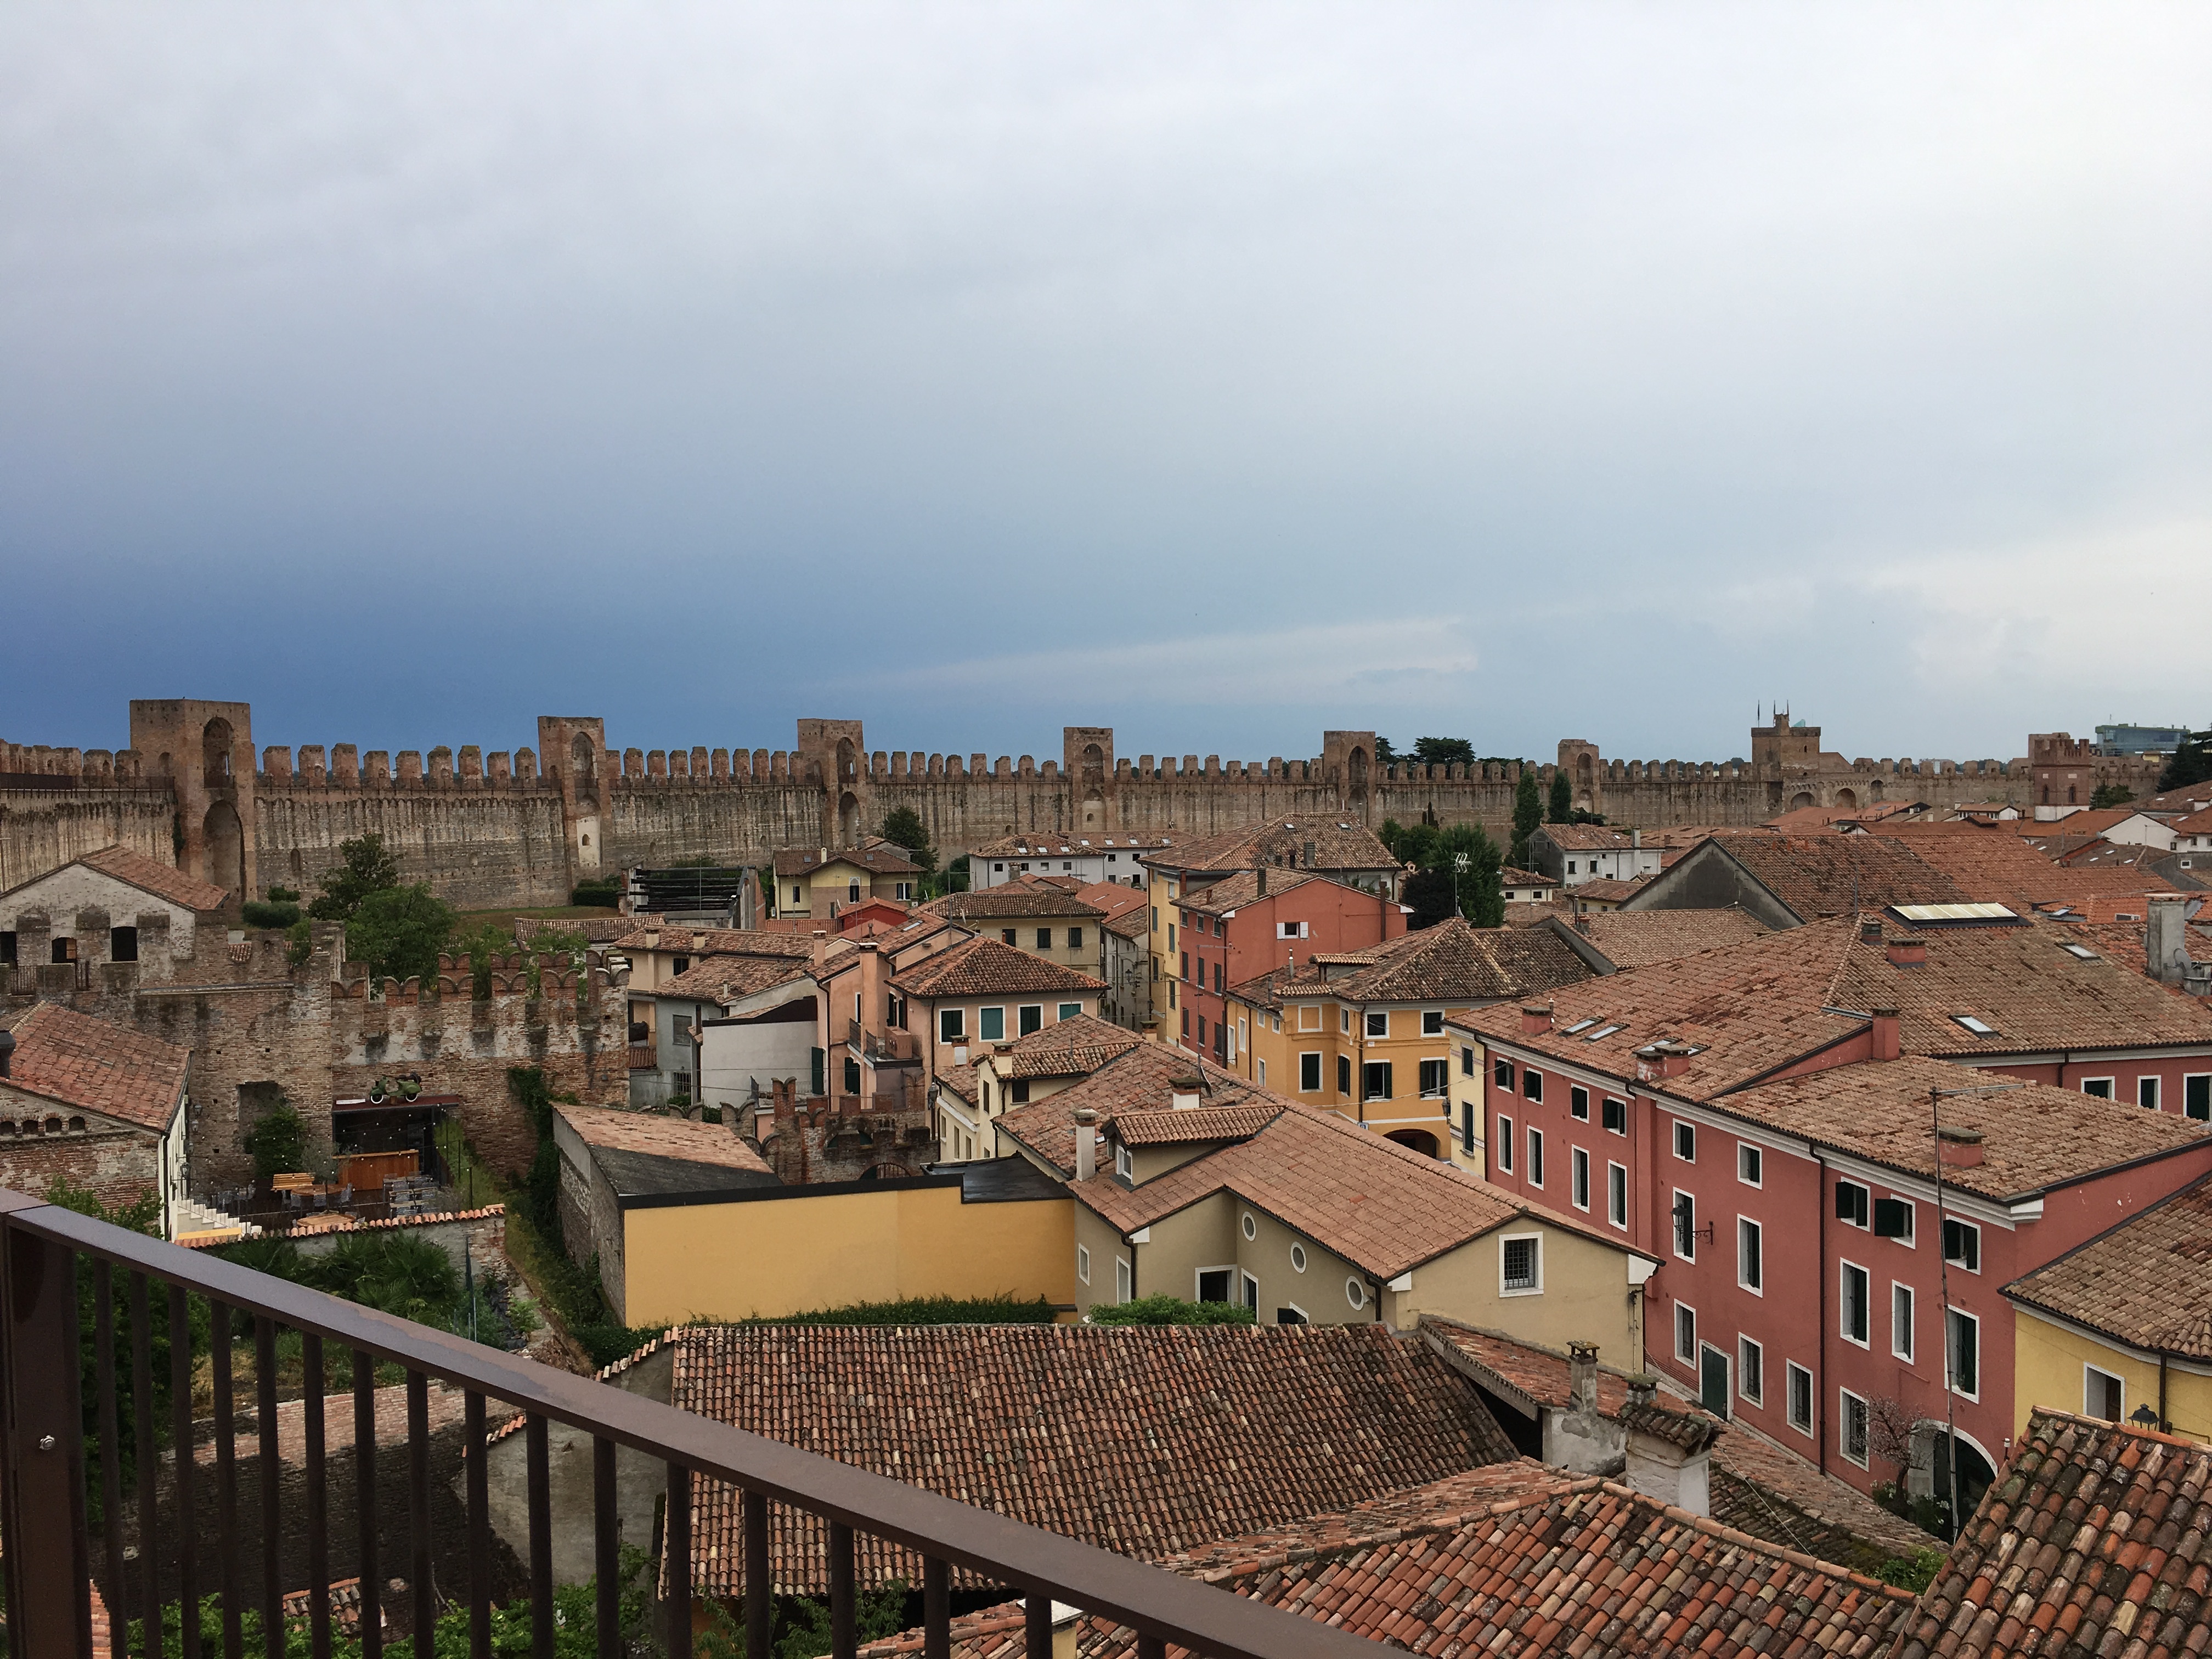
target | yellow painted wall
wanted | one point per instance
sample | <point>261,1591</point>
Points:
<point>1466,1089</point>
<point>1585,1297</point>
<point>786,1255</point>
<point>2047,1369</point>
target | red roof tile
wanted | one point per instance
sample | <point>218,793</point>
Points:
<point>659,1136</point>
<point>78,1061</point>
<point>987,967</point>
<point>163,881</point>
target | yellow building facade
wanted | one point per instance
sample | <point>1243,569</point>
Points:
<point>2058,1364</point>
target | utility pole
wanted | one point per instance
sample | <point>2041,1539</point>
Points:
<point>1936,1098</point>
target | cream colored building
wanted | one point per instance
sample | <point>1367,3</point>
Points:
<point>817,883</point>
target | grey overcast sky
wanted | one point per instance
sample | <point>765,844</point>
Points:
<point>1220,372</point>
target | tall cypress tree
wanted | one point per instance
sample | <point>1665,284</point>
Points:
<point>1563,798</point>
<point>1527,813</point>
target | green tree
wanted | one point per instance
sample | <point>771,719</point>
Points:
<point>1527,813</point>
<point>1385,755</point>
<point>2191,762</point>
<point>1442,751</point>
<point>1481,890</point>
<point>278,1143</point>
<point>399,930</point>
<point>903,827</point>
<point>1428,893</point>
<point>366,868</point>
<point>1562,809</point>
<point>1170,1310</point>
<point>2111,795</point>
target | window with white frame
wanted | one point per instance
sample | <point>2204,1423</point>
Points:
<point>1684,1213</point>
<point>1122,1279</point>
<point>1853,1435</point>
<point>1750,1255</point>
<point>1686,1142</point>
<point>1751,1371</point>
<point>1290,930</point>
<point>1504,1144</point>
<point>1520,1264</point>
<point>1851,1308</point>
<point>1435,1079</point>
<point>1616,1194</point>
<point>1963,1354</point>
<point>1894,1218</point>
<point>1901,1320</point>
<point>1580,1160</point>
<point>1310,1073</point>
<point>1501,1073</point>
<point>1124,1166</point>
<point>1798,1405</point>
<point>1750,1164</point>
<point>991,1024</point>
<point>1616,1117</point>
<point>1466,1059</point>
<point>1378,1025</point>
<point>952,1025</point>
<point>1854,1204</point>
<point>2147,1092</point>
<point>1962,1244</point>
<point>1685,1333</point>
<point>2196,1096</point>
<point>1535,1170</point>
<point>1578,1102</point>
<point>2103,1394</point>
<point>1532,1083</point>
<point>1433,1022</point>
<point>2101,1087</point>
<point>1083,1263</point>
<point>1355,1292</point>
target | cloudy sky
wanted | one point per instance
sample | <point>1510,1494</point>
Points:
<point>1220,372</point>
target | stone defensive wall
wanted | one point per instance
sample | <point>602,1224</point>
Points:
<point>521,827</point>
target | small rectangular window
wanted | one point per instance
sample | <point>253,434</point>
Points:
<point>1751,1371</point>
<point>952,1025</point>
<point>1854,1446</point>
<point>1750,1164</point>
<point>2196,1097</point>
<point>991,1024</point>
<point>1436,1078</point>
<point>1520,1265</point>
<point>1378,1025</point>
<point>1344,1075</point>
<point>1963,1355</point>
<point>1800,1402</point>
<point>1854,1203</point>
<point>1962,1244</point>
<point>1686,1142</point>
<point>1467,1126</point>
<point>1535,1157</point>
<point>1009,936</point>
<point>2099,1086</point>
<point>1124,1163</point>
<point>1685,1333</point>
<point>1616,1194</point>
<point>1894,1219</point>
<point>1309,1074</point>
<point>1578,1102</point>
<point>1075,938</point>
<point>1032,1018</point>
<point>123,944</point>
<point>2103,1394</point>
<point>1580,1173</point>
<point>1686,1225</point>
<point>1532,1083</point>
<point>1375,1080</point>
<point>1504,1144</point>
<point>1070,1010</point>
<point>1901,1320</point>
<point>1044,939</point>
<point>1852,1310</point>
<point>1750,1255</point>
<point>1433,1022</point>
<point>1121,1285</point>
<point>1615,1113</point>
<point>1083,1263</point>
<point>1501,1073</point>
<point>1466,1061</point>
<point>2147,1092</point>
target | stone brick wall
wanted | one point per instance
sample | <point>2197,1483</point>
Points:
<point>120,1166</point>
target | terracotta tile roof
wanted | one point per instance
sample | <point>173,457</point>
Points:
<point>1636,938</point>
<point>1379,1205</point>
<point>1681,837</point>
<point>1174,1128</point>
<point>1691,1431</point>
<point>1338,844</point>
<point>1606,890</point>
<point>1781,1498</point>
<point>721,979</point>
<point>1069,846</point>
<point>987,967</point>
<point>2196,823</point>
<point>1756,1006</point>
<point>1142,1440</point>
<point>1512,1560</point>
<point>1453,962</point>
<point>163,881</point>
<point>1509,876</point>
<point>1071,1047</point>
<point>879,857</point>
<point>1588,837</point>
<point>1817,876</point>
<point>2096,1538</point>
<point>1233,892</point>
<point>2143,1282</point>
<point>2032,1138</point>
<point>2190,797</point>
<point>1011,899</point>
<point>2003,868</point>
<point>1133,923</point>
<point>76,1060</point>
<point>1111,897</point>
<point>662,1137</point>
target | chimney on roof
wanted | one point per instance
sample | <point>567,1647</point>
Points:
<point>1670,1456</point>
<point>1959,1149</point>
<point>1536,1018</point>
<point>1870,930</point>
<point>821,948</point>
<point>1908,950</point>
<point>1582,1377</point>
<point>1885,1044</point>
<point>1086,1143</point>
<point>2165,945</point>
<point>1636,839</point>
<point>1183,1092</point>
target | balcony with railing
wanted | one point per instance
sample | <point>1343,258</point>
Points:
<point>72,1394</point>
<point>887,1048</point>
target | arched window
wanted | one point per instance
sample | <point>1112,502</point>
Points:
<point>852,893</point>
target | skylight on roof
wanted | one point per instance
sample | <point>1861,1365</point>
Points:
<point>1602,1031</point>
<point>1955,912</point>
<point>2081,952</point>
<point>1579,1026</point>
<point>1977,1027</point>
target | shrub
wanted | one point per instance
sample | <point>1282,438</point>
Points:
<point>278,1143</point>
<point>1171,1310</point>
<point>270,912</point>
<point>399,930</point>
<point>283,896</point>
<point>606,893</point>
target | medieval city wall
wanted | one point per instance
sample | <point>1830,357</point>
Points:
<point>500,828</point>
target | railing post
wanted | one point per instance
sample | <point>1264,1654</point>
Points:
<point>49,1566</point>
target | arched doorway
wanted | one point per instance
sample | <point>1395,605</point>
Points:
<point>1976,1474</point>
<point>1847,800</point>
<point>583,761</point>
<point>214,753</point>
<point>1420,1140</point>
<point>223,849</point>
<point>1355,777</point>
<point>849,819</point>
<point>1585,792</point>
<point>1093,809</point>
<point>848,765</point>
<point>1802,798</point>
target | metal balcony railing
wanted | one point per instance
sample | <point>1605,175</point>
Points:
<point>46,1553</point>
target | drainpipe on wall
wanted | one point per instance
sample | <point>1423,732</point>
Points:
<point>1821,1349</point>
